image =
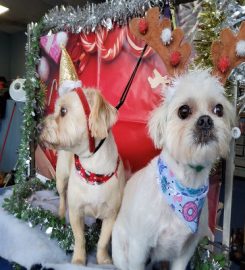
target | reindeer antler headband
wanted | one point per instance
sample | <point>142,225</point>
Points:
<point>227,53</point>
<point>174,53</point>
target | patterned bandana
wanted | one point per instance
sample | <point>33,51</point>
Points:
<point>187,203</point>
<point>93,178</point>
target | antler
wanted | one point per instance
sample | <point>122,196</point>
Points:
<point>174,54</point>
<point>228,52</point>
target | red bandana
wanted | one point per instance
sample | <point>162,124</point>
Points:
<point>93,178</point>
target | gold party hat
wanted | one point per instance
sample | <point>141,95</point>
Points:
<point>67,69</point>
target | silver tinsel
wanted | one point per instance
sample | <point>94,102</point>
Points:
<point>92,16</point>
<point>235,14</point>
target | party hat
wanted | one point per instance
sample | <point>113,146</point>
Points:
<point>68,77</point>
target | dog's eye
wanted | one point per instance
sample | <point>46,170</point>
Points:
<point>63,111</point>
<point>184,112</point>
<point>218,110</point>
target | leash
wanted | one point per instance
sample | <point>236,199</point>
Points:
<point>125,92</point>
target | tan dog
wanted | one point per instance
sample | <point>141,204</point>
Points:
<point>96,180</point>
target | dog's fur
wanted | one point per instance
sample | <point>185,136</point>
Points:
<point>146,224</point>
<point>70,133</point>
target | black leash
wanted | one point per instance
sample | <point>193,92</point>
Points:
<point>125,92</point>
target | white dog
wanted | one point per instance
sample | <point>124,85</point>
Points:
<point>161,214</point>
<point>96,180</point>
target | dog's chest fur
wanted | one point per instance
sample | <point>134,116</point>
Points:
<point>154,221</point>
<point>98,201</point>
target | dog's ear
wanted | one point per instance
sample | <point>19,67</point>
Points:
<point>102,116</point>
<point>156,126</point>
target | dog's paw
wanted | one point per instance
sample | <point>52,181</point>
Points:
<point>103,257</point>
<point>78,261</point>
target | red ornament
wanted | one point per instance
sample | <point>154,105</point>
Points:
<point>143,26</point>
<point>224,64</point>
<point>175,58</point>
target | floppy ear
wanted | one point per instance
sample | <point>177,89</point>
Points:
<point>156,125</point>
<point>102,116</point>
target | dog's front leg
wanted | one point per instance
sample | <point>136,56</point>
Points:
<point>61,185</point>
<point>180,263</point>
<point>105,235</point>
<point>77,224</point>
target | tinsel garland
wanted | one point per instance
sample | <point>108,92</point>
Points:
<point>204,259</point>
<point>18,205</point>
<point>87,19</point>
<point>34,103</point>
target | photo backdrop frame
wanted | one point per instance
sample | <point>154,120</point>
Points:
<point>66,19</point>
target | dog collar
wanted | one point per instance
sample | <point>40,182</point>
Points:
<point>86,108</point>
<point>93,178</point>
<point>187,203</point>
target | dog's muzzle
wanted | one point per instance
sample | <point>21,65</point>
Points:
<point>204,130</point>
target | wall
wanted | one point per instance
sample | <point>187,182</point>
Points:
<point>17,55</point>
<point>5,55</point>
<point>12,55</point>
<point>12,65</point>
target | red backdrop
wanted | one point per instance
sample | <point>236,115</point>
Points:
<point>106,60</point>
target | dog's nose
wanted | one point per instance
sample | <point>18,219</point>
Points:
<point>39,128</point>
<point>205,122</point>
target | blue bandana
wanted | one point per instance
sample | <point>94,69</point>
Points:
<point>187,203</point>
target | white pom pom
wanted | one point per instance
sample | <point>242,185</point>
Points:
<point>240,48</point>
<point>235,132</point>
<point>62,38</point>
<point>68,86</point>
<point>166,36</point>
<point>43,69</point>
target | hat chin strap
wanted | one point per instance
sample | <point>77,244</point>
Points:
<point>86,108</point>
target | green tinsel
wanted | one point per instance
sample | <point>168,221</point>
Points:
<point>34,103</point>
<point>18,205</point>
<point>204,259</point>
<point>210,20</point>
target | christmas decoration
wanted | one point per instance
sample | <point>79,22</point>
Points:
<point>52,44</point>
<point>166,36</point>
<point>204,259</point>
<point>210,23</point>
<point>143,26</point>
<point>173,55</point>
<point>68,77</point>
<point>21,208</point>
<point>240,48</point>
<point>34,103</point>
<point>223,64</point>
<point>92,16</point>
<point>35,92</point>
<point>86,20</point>
<point>175,58</point>
<point>223,52</point>
<point>43,69</point>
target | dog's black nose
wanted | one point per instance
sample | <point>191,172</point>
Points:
<point>39,128</point>
<point>205,122</point>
